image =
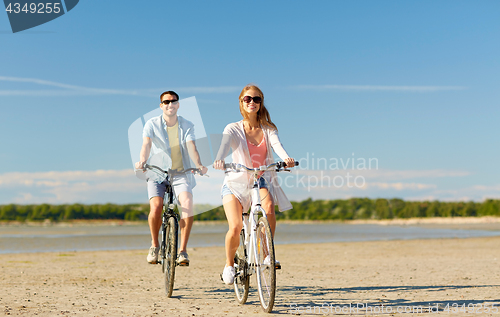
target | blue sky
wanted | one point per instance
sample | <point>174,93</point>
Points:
<point>413,84</point>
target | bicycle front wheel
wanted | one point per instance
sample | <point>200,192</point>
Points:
<point>266,269</point>
<point>242,279</point>
<point>171,255</point>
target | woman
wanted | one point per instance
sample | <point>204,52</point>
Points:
<point>251,140</point>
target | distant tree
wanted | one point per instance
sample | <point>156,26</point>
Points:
<point>489,208</point>
<point>8,212</point>
<point>339,209</point>
<point>382,209</point>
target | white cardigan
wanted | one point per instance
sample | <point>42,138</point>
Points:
<point>240,183</point>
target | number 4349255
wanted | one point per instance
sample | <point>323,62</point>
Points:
<point>37,8</point>
<point>471,308</point>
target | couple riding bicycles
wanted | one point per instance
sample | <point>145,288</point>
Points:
<point>251,140</point>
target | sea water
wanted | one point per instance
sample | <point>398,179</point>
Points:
<point>64,238</point>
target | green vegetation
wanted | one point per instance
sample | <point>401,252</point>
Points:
<point>364,208</point>
<point>71,212</point>
<point>354,208</point>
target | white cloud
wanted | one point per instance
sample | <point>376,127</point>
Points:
<point>20,178</point>
<point>450,199</point>
<point>384,174</point>
<point>44,93</point>
<point>72,186</point>
<point>494,188</point>
<point>101,186</point>
<point>475,192</point>
<point>121,186</point>
<point>378,88</point>
<point>70,90</point>
<point>401,186</point>
<point>405,184</point>
<point>410,174</point>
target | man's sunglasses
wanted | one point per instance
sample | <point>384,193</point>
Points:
<point>248,99</point>
<point>166,102</point>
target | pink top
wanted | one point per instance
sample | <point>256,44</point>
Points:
<point>258,153</point>
<point>234,138</point>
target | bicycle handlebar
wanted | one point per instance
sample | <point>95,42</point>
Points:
<point>173,172</point>
<point>278,167</point>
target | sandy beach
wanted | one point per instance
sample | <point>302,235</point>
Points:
<point>316,279</point>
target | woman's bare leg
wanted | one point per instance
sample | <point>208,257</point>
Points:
<point>268,205</point>
<point>233,210</point>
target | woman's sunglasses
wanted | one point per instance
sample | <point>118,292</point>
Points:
<point>248,99</point>
<point>166,102</point>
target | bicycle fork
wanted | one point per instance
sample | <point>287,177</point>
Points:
<point>250,225</point>
<point>163,250</point>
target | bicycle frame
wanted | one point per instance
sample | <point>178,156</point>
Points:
<point>250,225</point>
<point>168,212</point>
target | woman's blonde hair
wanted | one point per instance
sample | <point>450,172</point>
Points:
<point>263,116</point>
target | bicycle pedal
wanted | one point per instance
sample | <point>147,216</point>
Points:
<point>183,264</point>
<point>278,266</point>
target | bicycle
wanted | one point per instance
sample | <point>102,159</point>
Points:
<point>255,254</point>
<point>169,227</point>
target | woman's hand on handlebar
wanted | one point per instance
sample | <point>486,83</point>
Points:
<point>290,162</point>
<point>219,165</point>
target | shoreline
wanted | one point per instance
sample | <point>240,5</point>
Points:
<point>384,222</point>
<point>134,236</point>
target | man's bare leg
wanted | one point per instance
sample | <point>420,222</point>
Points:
<point>154,221</point>
<point>154,218</point>
<point>186,223</point>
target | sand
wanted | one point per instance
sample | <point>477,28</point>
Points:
<point>380,275</point>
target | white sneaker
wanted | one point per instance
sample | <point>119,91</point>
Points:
<point>228,275</point>
<point>153,255</point>
<point>183,259</point>
<point>277,263</point>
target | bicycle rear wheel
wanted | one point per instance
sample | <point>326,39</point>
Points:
<point>170,255</point>
<point>266,270</point>
<point>242,279</point>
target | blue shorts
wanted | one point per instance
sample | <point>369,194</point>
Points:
<point>180,184</point>
<point>226,191</point>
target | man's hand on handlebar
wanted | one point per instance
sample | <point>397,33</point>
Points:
<point>140,166</point>
<point>203,169</point>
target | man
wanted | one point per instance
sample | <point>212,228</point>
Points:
<point>173,136</point>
